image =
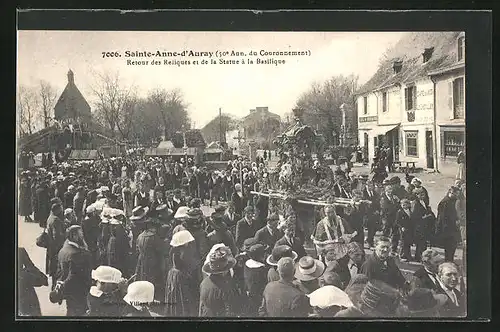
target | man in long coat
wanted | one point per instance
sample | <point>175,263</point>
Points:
<point>56,236</point>
<point>74,272</point>
<point>41,206</point>
<point>246,227</point>
<point>447,233</point>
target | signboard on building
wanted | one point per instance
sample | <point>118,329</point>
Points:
<point>368,118</point>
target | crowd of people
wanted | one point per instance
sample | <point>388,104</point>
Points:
<point>128,237</point>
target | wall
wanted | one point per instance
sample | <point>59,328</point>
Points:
<point>368,121</point>
<point>393,113</point>
<point>444,113</point>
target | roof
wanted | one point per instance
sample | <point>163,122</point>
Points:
<point>261,115</point>
<point>71,103</point>
<point>84,155</point>
<point>165,145</point>
<point>409,49</point>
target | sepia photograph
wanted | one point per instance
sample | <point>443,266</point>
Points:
<point>241,174</point>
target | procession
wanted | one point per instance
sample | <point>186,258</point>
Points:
<point>302,226</point>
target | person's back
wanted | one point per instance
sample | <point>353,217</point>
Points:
<point>283,299</point>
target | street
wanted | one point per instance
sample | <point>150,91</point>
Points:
<point>28,232</point>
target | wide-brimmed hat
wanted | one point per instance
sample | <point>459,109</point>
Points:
<point>380,298</point>
<point>328,296</point>
<point>181,212</point>
<point>423,299</point>
<point>280,252</point>
<point>194,213</point>
<point>139,213</point>
<point>308,268</point>
<point>181,238</point>
<point>107,274</point>
<point>140,292</point>
<point>256,251</point>
<point>219,261</point>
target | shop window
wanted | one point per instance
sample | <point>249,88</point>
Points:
<point>410,97</point>
<point>454,142</point>
<point>461,48</point>
<point>365,105</point>
<point>411,140</point>
<point>384,102</point>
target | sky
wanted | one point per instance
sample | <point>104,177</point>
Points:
<point>48,55</point>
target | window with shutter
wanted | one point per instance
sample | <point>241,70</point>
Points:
<point>458,98</point>
<point>450,99</point>
<point>411,143</point>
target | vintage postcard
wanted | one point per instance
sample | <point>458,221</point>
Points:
<point>241,174</point>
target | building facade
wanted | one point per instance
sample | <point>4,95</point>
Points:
<point>415,103</point>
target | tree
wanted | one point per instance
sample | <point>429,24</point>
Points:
<point>28,110</point>
<point>321,104</point>
<point>115,105</point>
<point>171,110</point>
<point>48,97</point>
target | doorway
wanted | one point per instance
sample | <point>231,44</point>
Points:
<point>366,157</point>
<point>429,148</point>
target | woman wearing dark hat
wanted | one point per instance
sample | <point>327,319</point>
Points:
<point>272,260</point>
<point>219,296</point>
<point>307,273</point>
<point>195,224</point>
<point>255,275</point>
<point>118,246</point>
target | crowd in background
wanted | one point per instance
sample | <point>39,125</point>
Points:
<point>128,237</point>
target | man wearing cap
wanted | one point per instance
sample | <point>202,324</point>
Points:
<point>105,299</point>
<point>246,227</point>
<point>447,228</point>
<point>269,234</point>
<point>56,234</point>
<point>282,298</point>
<point>74,272</point>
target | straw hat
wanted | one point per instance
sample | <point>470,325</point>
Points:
<point>308,268</point>
<point>139,213</point>
<point>181,212</point>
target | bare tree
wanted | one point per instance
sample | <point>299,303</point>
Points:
<point>48,97</point>
<point>114,103</point>
<point>322,104</point>
<point>171,109</point>
<point>28,110</point>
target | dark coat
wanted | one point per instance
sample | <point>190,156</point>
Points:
<point>239,203</point>
<point>375,269</point>
<point>447,222</point>
<point>264,236</point>
<point>56,232</point>
<point>219,297</point>
<point>150,256</point>
<point>272,274</point>
<point>283,299</point>
<point>262,209</point>
<point>388,209</point>
<point>74,270</point>
<point>339,191</point>
<point>297,246</point>
<point>255,276</point>
<point>28,304</point>
<point>422,220</point>
<point>223,236</point>
<point>25,208</point>
<point>341,268</point>
<point>245,231</point>
<point>68,200</point>
<point>41,206</point>
<point>450,309</point>
<point>118,251</point>
<point>78,201</point>
<point>421,279</point>
<point>90,227</point>
<point>180,295</point>
<point>142,199</point>
<point>105,304</point>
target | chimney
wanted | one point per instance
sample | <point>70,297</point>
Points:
<point>427,54</point>
<point>397,66</point>
<point>71,77</point>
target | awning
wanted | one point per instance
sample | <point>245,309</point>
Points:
<point>382,130</point>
